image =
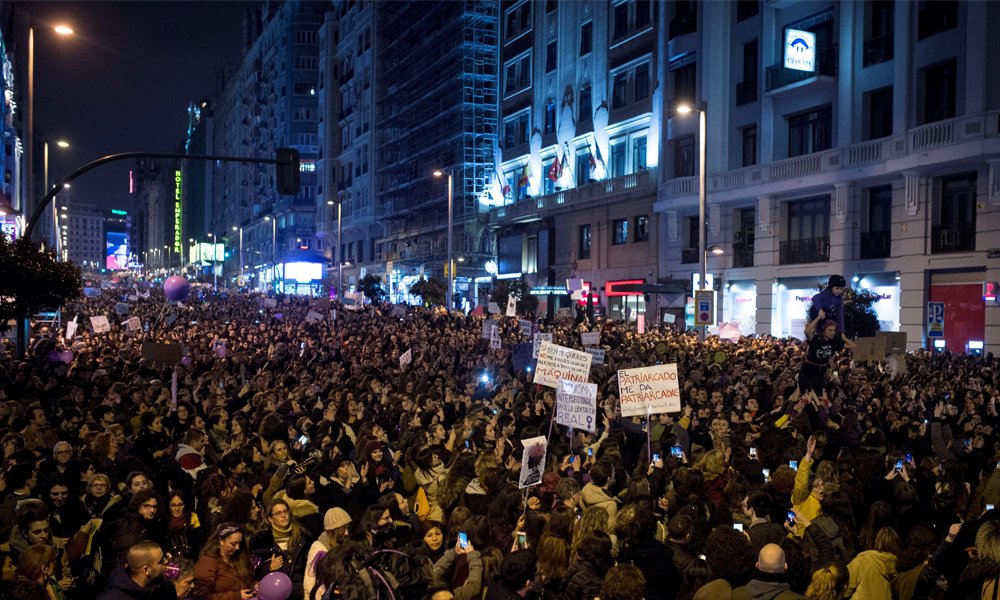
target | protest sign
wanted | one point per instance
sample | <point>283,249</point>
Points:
<point>869,349</point>
<point>532,461</point>
<point>649,390</point>
<point>493,309</point>
<point>133,324</point>
<point>559,362</point>
<point>71,329</point>
<point>539,338</point>
<point>511,306</point>
<point>100,324</point>
<point>333,314</point>
<point>895,341</point>
<point>398,311</point>
<point>495,337</point>
<point>270,303</point>
<point>597,353</point>
<point>576,404</point>
<point>590,338</point>
<point>313,317</point>
<point>162,353</point>
<point>405,358</point>
<point>640,323</point>
<point>488,326</point>
<point>121,308</point>
<point>525,327</point>
<point>565,312</point>
<point>730,331</point>
<point>170,319</point>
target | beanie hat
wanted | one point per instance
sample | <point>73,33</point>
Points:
<point>372,446</point>
<point>837,281</point>
<point>334,518</point>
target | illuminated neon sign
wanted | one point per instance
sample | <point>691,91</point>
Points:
<point>177,211</point>
<point>611,291</point>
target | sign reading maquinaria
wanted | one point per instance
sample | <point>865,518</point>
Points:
<point>557,362</point>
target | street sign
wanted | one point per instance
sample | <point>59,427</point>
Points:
<point>704,307</point>
<point>935,319</point>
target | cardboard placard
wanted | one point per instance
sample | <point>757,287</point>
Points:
<point>649,390</point>
<point>557,362</point>
<point>521,358</point>
<point>133,324</point>
<point>597,353</point>
<point>495,337</point>
<point>313,317</point>
<point>100,324</point>
<point>487,331</point>
<point>590,338</point>
<point>869,349</point>
<point>537,342</point>
<point>121,308</point>
<point>895,341</point>
<point>532,461</point>
<point>493,308</point>
<point>576,405</point>
<point>525,327</point>
<point>71,329</point>
<point>169,354</point>
<point>405,358</point>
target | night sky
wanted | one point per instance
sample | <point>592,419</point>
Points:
<point>124,81</point>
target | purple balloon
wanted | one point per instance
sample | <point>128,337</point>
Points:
<point>186,361</point>
<point>176,287</point>
<point>275,586</point>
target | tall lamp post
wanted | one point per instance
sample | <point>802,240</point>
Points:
<point>215,256</point>
<point>274,237</point>
<point>702,234</point>
<point>239,280</point>
<point>451,269</point>
<point>340,248</point>
<point>45,182</point>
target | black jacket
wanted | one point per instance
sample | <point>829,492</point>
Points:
<point>656,561</point>
<point>122,587</point>
<point>295,557</point>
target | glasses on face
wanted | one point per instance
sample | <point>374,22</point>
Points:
<point>279,513</point>
<point>176,505</point>
<point>149,506</point>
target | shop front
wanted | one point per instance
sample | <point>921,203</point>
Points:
<point>964,325</point>
<point>739,305</point>
<point>793,298</point>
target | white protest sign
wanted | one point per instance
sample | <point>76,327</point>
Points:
<point>100,324</point>
<point>525,327</point>
<point>405,358</point>
<point>133,324</point>
<point>557,362</point>
<point>590,338</point>
<point>493,309</point>
<point>511,306</point>
<point>495,337</point>
<point>488,326</point>
<point>576,404</point>
<point>649,390</point>
<point>597,353</point>
<point>71,329</point>
<point>270,302</point>
<point>669,317</point>
<point>538,339</point>
<point>532,461</point>
<point>730,332</point>
<point>333,314</point>
<point>640,323</point>
<point>313,317</point>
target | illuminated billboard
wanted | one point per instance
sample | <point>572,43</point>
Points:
<point>116,253</point>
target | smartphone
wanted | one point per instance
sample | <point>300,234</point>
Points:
<point>967,443</point>
<point>466,444</point>
<point>927,421</point>
<point>463,539</point>
<point>989,507</point>
<point>303,440</point>
<point>791,517</point>
<point>909,457</point>
<point>590,452</point>
<point>753,453</point>
<point>676,451</point>
<point>572,457</point>
<point>656,457</point>
<point>794,464</point>
<point>738,526</point>
<point>522,540</point>
<point>767,473</point>
<point>899,465</point>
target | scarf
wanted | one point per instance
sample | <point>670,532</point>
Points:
<point>281,536</point>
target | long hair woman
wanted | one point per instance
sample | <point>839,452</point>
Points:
<point>223,570</point>
<point>282,530</point>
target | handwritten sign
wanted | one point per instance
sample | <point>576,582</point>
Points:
<point>493,309</point>
<point>121,308</point>
<point>576,405</point>
<point>133,324</point>
<point>597,353</point>
<point>313,317</point>
<point>525,327</point>
<point>557,362</point>
<point>537,343</point>
<point>100,324</point>
<point>495,337</point>
<point>71,329</point>
<point>590,338</point>
<point>649,390</point>
<point>511,307</point>
<point>405,358</point>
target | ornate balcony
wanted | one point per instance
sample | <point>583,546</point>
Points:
<point>742,255</point>
<point>797,252</point>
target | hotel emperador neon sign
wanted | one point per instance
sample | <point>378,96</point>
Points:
<point>177,211</point>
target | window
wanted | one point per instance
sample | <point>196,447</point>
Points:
<point>586,38</point>
<point>749,135</point>
<point>750,64</point>
<point>935,16</point>
<point>617,158</point>
<point>305,37</point>
<point>938,86</point>
<point>638,154</point>
<point>684,157</point>
<point>517,21</point>
<point>515,129</point>
<point>746,9</point>
<point>877,105</point>
<point>643,15</point>
<point>304,89</point>
<point>954,222</point>
<point>551,56</point>
<point>878,32</point>
<point>550,116</point>
<point>582,169</point>
<point>620,16</point>
<point>619,232</point>
<point>810,132</point>
<point>685,83</point>
<point>586,107</point>
<point>642,81</point>
<point>684,18</point>
<point>517,74</point>
<point>809,219</point>
<point>585,241</point>
<point>306,63</point>
<point>642,229</point>
<point>551,5</point>
<point>620,93</point>
<point>880,208</point>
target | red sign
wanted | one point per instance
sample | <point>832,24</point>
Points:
<point>610,288</point>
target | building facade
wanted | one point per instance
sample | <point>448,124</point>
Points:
<point>84,240</point>
<point>874,157</point>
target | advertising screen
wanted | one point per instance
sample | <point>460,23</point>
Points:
<point>116,253</point>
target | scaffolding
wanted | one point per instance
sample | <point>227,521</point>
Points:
<point>436,100</point>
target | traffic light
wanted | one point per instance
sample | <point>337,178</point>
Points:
<point>287,171</point>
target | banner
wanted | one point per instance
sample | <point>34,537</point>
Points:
<point>539,338</point>
<point>100,324</point>
<point>532,461</point>
<point>590,338</point>
<point>597,353</point>
<point>169,354</point>
<point>405,358</point>
<point>559,362</point>
<point>576,405</point>
<point>649,390</point>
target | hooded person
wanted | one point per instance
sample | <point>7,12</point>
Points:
<point>190,453</point>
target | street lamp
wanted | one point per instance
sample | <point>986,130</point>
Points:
<point>215,256</point>
<point>239,280</point>
<point>451,270</point>
<point>45,182</point>
<point>702,234</point>
<point>274,237</point>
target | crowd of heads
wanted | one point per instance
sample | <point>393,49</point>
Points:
<point>291,439</point>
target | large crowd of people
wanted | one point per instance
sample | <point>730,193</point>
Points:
<point>291,444</point>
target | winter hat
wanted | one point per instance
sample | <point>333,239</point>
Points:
<point>372,446</point>
<point>837,281</point>
<point>334,518</point>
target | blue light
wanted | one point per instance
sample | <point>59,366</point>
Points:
<point>485,378</point>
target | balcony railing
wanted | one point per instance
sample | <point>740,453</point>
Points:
<point>742,255</point>
<point>826,64</point>
<point>875,244</point>
<point>689,255</point>
<point>797,252</point>
<point>878,50</point>
<point>746,92</point>
<point>953,238</point>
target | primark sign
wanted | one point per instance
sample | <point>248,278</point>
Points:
<point>800,50</point>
